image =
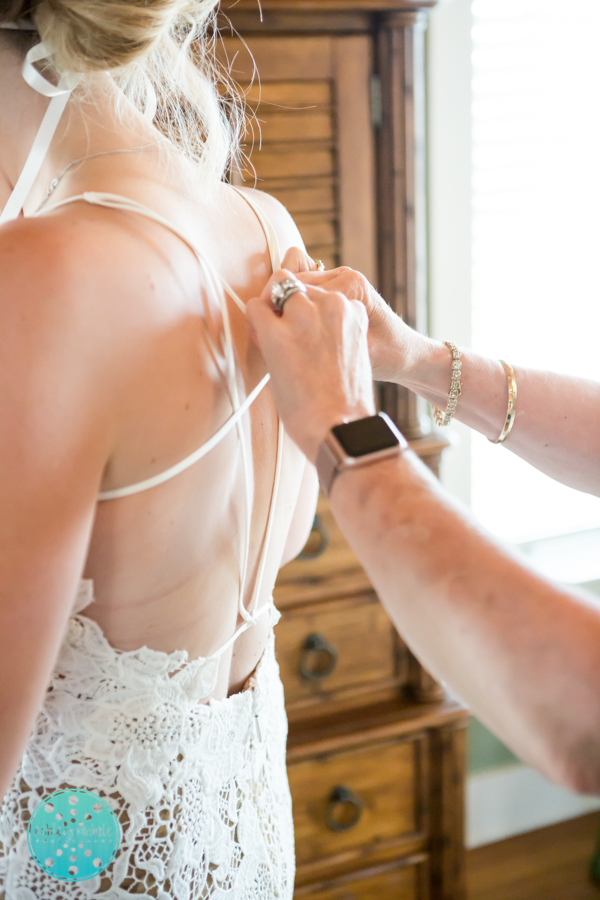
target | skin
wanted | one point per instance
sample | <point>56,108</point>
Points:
<point>106,379</point>
<point>523,652</point>
<point>561,438</point>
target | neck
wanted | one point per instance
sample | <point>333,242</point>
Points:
<point>90,124</point>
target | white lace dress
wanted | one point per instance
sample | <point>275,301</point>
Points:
<point>200,790</point>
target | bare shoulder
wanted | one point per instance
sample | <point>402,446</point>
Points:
<point>43,258</point>
<point>76,262</point>
<point>283,223</point>
<point>52,320</point>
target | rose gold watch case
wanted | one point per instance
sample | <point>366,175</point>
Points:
<point>332,459</point>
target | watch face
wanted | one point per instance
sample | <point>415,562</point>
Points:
<point>365,436</point>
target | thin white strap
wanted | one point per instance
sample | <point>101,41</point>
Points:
<point>250,617</point>
<point>193,457</point>
<point>267,227</point>
<point>244,627</point>
<point>35,159</point>
<point>37,81</point>
<point>218,285</point>
<point>270,522</point>
<point>115,201</point>
<point>247,615</point>
<point>235,399</point>
<point>46,131</point>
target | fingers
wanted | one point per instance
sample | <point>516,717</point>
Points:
<point>265,319</point>
<point>313,292</point>
<point>260,319</point>
<point>301,310</point>
<point>350,282</point>
<point>317,277</point>
<point>297,260</point>
<point>277,276</point>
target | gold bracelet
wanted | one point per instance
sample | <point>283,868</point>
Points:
<point>444,418</point>
<point>512,403</point>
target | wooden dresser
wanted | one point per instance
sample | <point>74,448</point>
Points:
<point>376,750</point>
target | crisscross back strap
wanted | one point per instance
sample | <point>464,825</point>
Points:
<point>194,457</point>
<point>267,227</point>
<point>59,95</point>
<point>115,201</point>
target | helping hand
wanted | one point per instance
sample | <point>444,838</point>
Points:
<point>317,354</point>
<point>392,344</point>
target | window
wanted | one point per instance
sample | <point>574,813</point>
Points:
<point>530,133</point>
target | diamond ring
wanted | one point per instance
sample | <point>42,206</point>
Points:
<point>281,291</point>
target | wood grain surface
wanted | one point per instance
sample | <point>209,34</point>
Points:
<point>547,864</point>
<point>405,879</point>
<point>387,791</point>
<point>360,651</point>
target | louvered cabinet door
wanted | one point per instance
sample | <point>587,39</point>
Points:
<point>310,141</point>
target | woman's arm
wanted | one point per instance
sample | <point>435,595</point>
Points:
<point>557,426</point>
<point>53,447</point>
<point>522,651</point>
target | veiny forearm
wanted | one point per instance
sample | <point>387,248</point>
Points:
<point>522,652</point>
<point>557,426</point>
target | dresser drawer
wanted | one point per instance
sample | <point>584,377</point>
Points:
<point>339,647</point>
<point>402,880</point>
<point>369,798</point>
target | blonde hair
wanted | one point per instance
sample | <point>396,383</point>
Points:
<point>169,44</point>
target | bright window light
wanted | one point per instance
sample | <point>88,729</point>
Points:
<point>536,231</point>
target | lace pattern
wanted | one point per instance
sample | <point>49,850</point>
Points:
<point>200,790</point>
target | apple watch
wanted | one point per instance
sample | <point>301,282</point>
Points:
<point>361,442</point>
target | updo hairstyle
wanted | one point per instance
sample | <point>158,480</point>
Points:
<point>167,43</point>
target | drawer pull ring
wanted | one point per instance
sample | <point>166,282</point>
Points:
<point>344,809</point>
<point>318,529</point>
<point>326,657</point>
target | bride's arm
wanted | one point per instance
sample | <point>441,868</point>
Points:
<point>53,446</point>
<point>557,426</point>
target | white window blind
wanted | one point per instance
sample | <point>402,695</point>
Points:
<point>536,230</point>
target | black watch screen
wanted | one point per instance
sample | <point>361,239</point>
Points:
<point>367,435</point>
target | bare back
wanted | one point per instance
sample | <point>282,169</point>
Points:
<point>166,562</point>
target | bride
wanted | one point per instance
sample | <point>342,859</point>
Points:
<point>148,494</point>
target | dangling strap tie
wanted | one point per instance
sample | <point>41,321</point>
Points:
<point>59,97</point>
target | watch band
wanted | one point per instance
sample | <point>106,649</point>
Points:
<point>332,458</point>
